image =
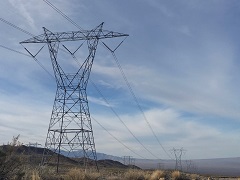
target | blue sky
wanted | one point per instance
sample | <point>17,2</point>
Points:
<point>181,59</point>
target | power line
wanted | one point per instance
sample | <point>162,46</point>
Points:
<point>134,96</point>
<point>2,46</point>
<point>118,139</point>
<point>31,56</point>
<point>16,27</point>
<point>76,25</point>
<point>39,63</point>
<point>136,100</point>
<point>124,76</point>
<point>123,122</point>
<point>62,14</point>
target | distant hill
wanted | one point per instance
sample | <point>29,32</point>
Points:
<point>100,156</point>
<point>33,155</point>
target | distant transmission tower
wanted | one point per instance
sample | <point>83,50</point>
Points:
<point>70,128</point>
<point>128,160</point>
<point>178,156</point>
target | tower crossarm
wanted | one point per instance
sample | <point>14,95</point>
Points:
<point>74,36</point>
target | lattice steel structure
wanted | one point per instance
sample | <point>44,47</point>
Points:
<point>178,156</point>
<point>70,127</point>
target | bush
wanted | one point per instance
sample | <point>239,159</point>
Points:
<point>176,174</point>
<point>156,175</point>
<point>179,176</point>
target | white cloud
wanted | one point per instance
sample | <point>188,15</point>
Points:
<point>199,83</point>
<point>106,84</point>
<point>99,101</point>
<point>172,129</point>
<point>30,120</point>
<point>21,6</point>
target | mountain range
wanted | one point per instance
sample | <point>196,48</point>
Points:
<point>217,166</point>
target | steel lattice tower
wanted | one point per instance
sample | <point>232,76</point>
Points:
<point>178,156</point>
<point>70,127</point>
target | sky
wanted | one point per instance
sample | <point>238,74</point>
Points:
<point>181,60</point>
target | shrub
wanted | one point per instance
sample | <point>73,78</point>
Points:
<point>179,176</point>
<point>194,176</point>
<point>156,175</point>
<point>176,174</point>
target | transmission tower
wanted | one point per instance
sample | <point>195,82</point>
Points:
<point>128,160</point>
<point>178,156</point>
<point>70,127</point>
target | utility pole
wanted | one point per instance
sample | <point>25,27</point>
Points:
<point>70,127</point>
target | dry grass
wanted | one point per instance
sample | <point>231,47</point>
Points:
<point>35,175</point>
<point>75,174</point>
<point>194,176</point>
<point>30,173</point>
<point>80,174</point>
<point>176,174</point>
<point>49,173</point>
<point>156,175</point>
<point>134,175</point>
